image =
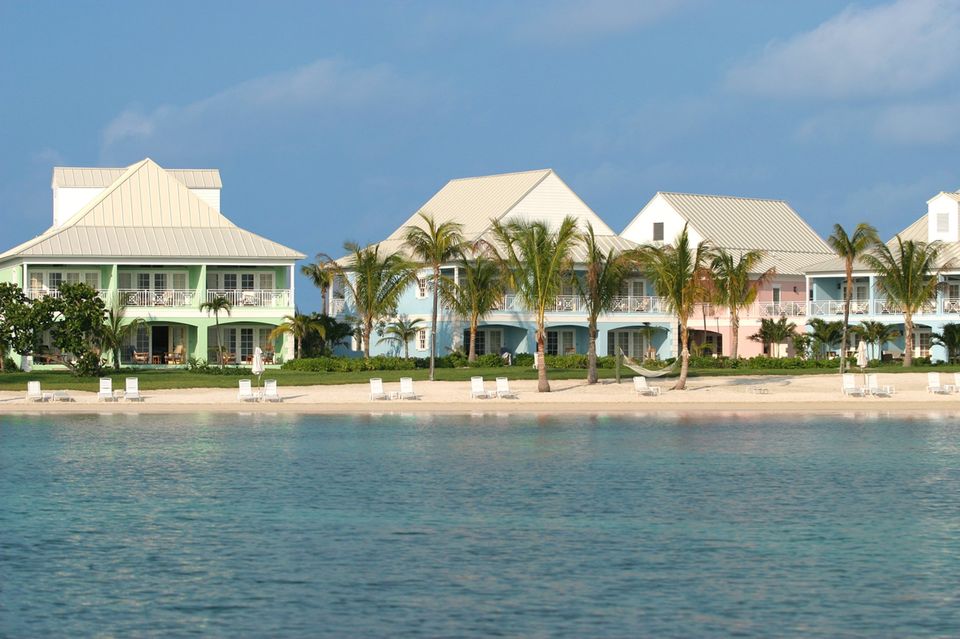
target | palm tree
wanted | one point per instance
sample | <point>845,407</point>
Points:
<point>478,292</point>
<point>375,282</point>
<point>434,244</point>
<point>733,288</point>
<point>801,344</point>
<point>299,326</point>
<point>876,334</point>
<point>949,338</point>
<point>321,276</point>
<point>909,278</point>
<point>116,332</point>
<point>401,331</point>
<point>219,304</point>
<point>825,334</point>
<point>774,332</point>
<point>600,287</point>
<point>850,247</point>
<point>678,272</point>
<point>536,262</point>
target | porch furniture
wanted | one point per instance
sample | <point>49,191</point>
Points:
<point>141,358</point>
<point>245,394</point>
<point>106,390</point>
<point>132,391</point>
<point>270,393</point>
<point>176,357</point>
<point>642,388</point>
<point>229,358</point>
<point>477,391</point>
<point>406,389</point>
<point>874,388</point>
<point>268,357</point>
<point>850,386</point>
<point>503,388</point>
<point>376,389</point>
<point>934,385</point>
<point>158,359</point>
<point>34,394</point>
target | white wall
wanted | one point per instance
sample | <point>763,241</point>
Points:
<point>943,205</point>
<point>640,230</point>
<point>551,201</point>
<point>67,201</point>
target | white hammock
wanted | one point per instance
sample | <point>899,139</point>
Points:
<point>646,372</point>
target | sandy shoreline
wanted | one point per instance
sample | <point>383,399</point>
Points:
<point>805,394</point>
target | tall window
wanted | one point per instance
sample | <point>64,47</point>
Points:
<point>421,288</point>
<point>230,281</point>
<point>422,339</point>
<point>943,222</point>
<point>159,281</point>
<point>266,281</point>
<point>54,280</point>
<point>246,281</point>
<point>143,339</point>
<point>143,281</point>
<point>658,231</point>
<point>246,343</point>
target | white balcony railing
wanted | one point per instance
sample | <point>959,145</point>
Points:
<point>42,292</point>
<point>271,297</point>
<point>639,304</point>
<point>778,309</point>
<point>144,297</point>
<point>951,305</point>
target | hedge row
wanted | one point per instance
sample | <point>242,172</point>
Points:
<point>455,360</point>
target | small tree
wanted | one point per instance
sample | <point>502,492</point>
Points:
<point>734,289</point>
<point>400,332</point>
<point>11,297</point>
<point>476,294</point>
<point>79,327</point>
<point>825,334</point>
<point>949,338</point>
<point>876,334</point>
<point>773,331</point>
<point>802,342</point>
<point>116,331</point>
<point>217,305</point>
<point>321,275</point>
<point>300,327</point>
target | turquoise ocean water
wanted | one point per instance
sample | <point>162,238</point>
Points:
<point>409,526</point>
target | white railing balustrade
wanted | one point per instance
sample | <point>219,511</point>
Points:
<point>639,304</point>
<point>951,305</point>
<point>274,297</point>
<point>779,309</point>
<point>40,293</point>
<point>144,297</point>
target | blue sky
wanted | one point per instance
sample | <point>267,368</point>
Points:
<point>335,121</point>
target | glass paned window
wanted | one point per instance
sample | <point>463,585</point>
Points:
<point>552,342</point>
<point>943,222</point>
<point>180,281</point>
<point>143,339</point>
<point>230,281</point>
<point>36,280</point>
<point>566,341</point>
<point>266,281</point>
<point>213,280</point>
<point>159,281</point>
<point>125,280</point>
<point>92,279</point>
<point>658,231</point>
<point>143,281</point>
<point>246,343</point>
<point>231,340</point>
<point>246,281</point>
<point>422,339</point>
<point>421,287</point>
<point>54,280</point>
<point>73,278</point>
<point>496,341</point>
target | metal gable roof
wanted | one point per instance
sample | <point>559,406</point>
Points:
<point>95,177</point>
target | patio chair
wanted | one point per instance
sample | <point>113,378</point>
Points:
<point>34,394</point>
<point>477,391</point>
<point>874,388</point>
<point>850,387</point>
<point>141,358</point>
<point>406,389</point>
<point>642,388</point>
<point>106,390</point>
<point>270,393</point>
<point>132,390</point>
<point>503,388</point>
<point>61,396</point>
<point>176,357</point>
<point>245,394</point>
<point>934,385</point>
<point>376,389</point>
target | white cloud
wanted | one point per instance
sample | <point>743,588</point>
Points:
<point>893,49</point>
<point>560,22</point>
<point>327,91</point>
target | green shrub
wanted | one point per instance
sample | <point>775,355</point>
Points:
<point>523,359</point>
<point>490,360</point>
<point>353,364</point>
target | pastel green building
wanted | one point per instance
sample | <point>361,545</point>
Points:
<point>155,242</point>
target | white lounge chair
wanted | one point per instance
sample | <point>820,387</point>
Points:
<point>640,385</point>
<point>406,389</point>
<point>850,387</point>
<point>955,386</point>
<point>61,396</point>
<point>270,393</point>
<point>132,390</point>
<point>34,394</point>
<point>874,388</point>
<point>245,394</point>
<point>503,388</point>
<point>376,389</point>
<point>934,385</point>
<point>106,390</point>
<point>477,391</point>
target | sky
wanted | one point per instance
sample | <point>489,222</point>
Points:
<point>336,121</point>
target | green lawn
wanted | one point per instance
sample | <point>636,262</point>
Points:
<point>160,379</point>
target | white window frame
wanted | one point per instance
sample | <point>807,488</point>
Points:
<point>421,288</point>
<point>421,340</point>
<point>72,276</point>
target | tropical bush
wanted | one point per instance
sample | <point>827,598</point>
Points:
<point>350,364</point>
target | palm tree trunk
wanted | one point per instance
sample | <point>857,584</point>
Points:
<point>908,339</point>
<point>299,347</point>
<point>324,292</point>
<point>543,385</point>
<point>433,319</point>
<point>472,349</point>
<point>684,357</point>
<point>734,332</point>
<point>116,359</point>
<point>592,352</point>
<point>367,336</point>
<point>846,314</point>
<point>219,339</point>
<point>406,349</point>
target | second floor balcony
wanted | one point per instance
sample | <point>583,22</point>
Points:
<point>264,297</point>
<point>180,298</point>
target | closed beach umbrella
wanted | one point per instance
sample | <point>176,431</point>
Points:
<point>257,364</point>
<point>862,354</point>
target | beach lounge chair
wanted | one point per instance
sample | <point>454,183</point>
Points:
<point>874,388</point>
<point>61,396</point>
<point>270,393</point>
<point>34,394</point>
<point>245,394</point>
<point>106,390</point>
<point>934,385</point>
<point>406,389</point>
<point>376,389</point>
<point>640,385</point>
<point>850,387</point>
<point>132,390</point>
<point>503,388</point>
<point>477,391</point>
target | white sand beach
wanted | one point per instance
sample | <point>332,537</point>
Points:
<point>778,394</point>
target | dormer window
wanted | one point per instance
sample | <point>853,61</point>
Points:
<point>943,222</point>
<point>658,231</point>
